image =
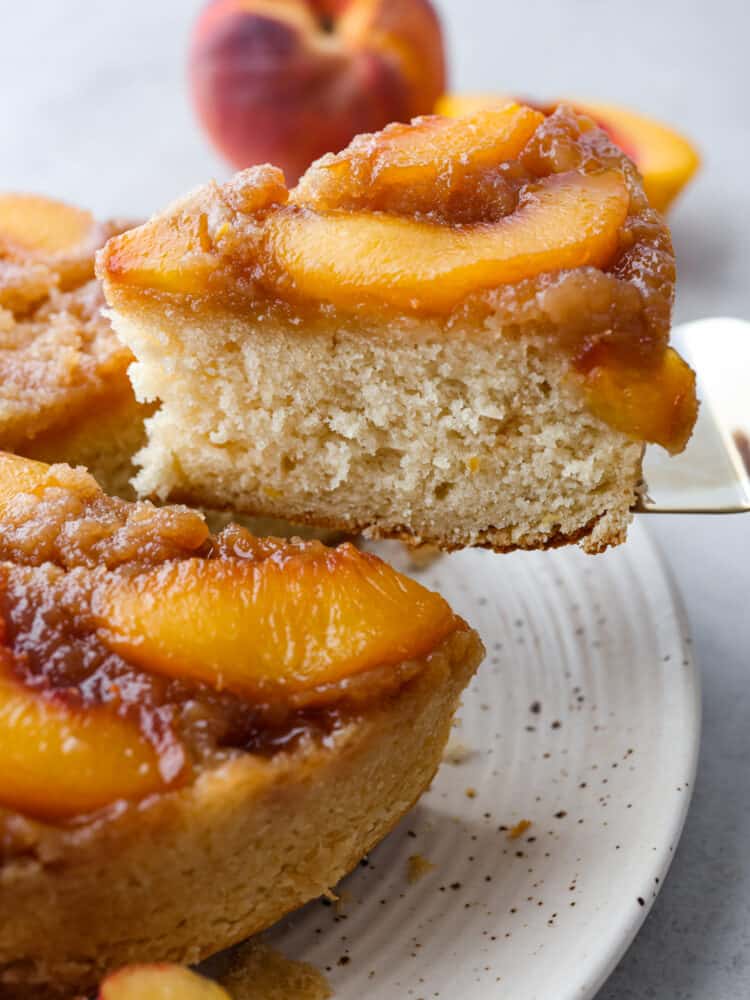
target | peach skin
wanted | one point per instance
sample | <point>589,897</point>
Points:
<point>286,82</point>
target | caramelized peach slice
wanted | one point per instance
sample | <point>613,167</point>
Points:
<point>570,220</point>
<point>657,404</point>
<point>667,160</point>
<point>23,475</point>
<point>35,224</point>
<point>432,153</point>
<point>165,254</point>
<point>182,250</point>
<point>159,982</point>
<point>285,624</point>
<point>58,761</point>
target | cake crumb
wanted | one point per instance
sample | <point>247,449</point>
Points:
<point>417,867</point>
<point>342,899</point>
<point>259,972</point>
<point>471,793</point>
<point>457,753</point>
<point>519,829</point>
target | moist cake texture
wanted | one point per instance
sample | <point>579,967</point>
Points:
<point>64,391</point>
<point>197,733</point>
<point>452,332</point>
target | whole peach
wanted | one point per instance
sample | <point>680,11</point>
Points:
<point>284,81</point>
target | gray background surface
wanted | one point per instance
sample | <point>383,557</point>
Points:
<point>93,109</point>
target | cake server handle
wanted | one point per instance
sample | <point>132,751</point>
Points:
<point>712,475</point>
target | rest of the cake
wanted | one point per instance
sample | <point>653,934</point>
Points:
<point>452,332</point>
<point>64,391</point>
<point>197,733</point>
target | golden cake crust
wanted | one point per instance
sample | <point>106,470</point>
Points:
<point>194,871</point>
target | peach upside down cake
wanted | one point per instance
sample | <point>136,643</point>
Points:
<point>197,733</point>
<point>454,331</point>
<point>64,391</point>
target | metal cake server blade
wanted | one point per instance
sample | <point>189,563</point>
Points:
<point>712,475</point>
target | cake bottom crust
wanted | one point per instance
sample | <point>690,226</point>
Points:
<point>187,874</point>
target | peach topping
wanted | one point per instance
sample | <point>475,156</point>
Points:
<point>32,224</point>
<point>417,168</point>
<point>289,622</point>
<point>58,760</point>
<point>134,646</point>
<point>539,223</point>
<point>567,221</point>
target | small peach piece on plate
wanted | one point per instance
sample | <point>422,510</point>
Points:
<point>159,982</point>
<point>284,83</point>
<point>568,221</point>
<point>287,623</point>
<point>34,224</point>
<point>665,158</point>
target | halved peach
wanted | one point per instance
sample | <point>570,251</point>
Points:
<point>288,623</point>
<point>656,404</point>
<point>666,159</point>
<point>58,761</point>
<point>162,981</point>
<point>35,224</point>
<point>569,220</point>
<point>432,151</point>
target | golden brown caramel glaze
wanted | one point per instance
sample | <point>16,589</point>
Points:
<point>55,514</point>
<point>540,222</point>
<point>136,623</point>
<point>60,360</point>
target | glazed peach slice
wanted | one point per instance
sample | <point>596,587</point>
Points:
<point>58,760</point>
<point>24,475</point>
<point>432,151</point>
<point>35,224</point>
<point>657,404</point>
<point>182,251</point>
<point>275,627</point>
<point>159,982</point>
<point>569,220</point>
<point>666,159</point>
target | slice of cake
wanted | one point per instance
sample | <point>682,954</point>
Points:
<point>453,332</point>
<point>64,391</point>
<point>197,734</point>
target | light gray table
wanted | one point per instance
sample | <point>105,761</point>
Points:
<point>94,109</point>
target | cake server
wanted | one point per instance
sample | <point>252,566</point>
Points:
<point>712,475</point>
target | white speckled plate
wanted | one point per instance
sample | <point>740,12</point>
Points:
<point>584,720</point>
